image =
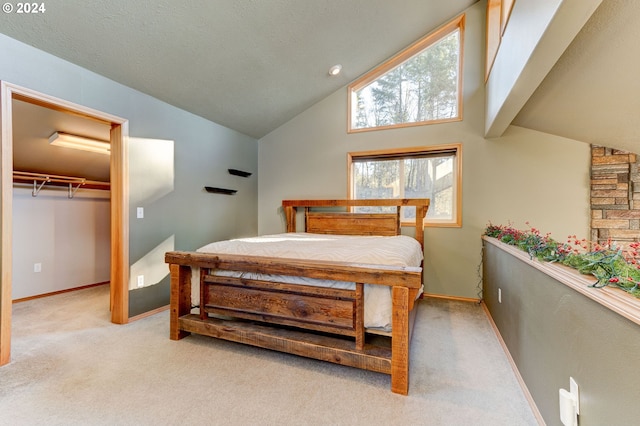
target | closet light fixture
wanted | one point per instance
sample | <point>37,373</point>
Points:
<point>68,140</point>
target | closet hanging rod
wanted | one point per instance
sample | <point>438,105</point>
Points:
<point>74,183</point>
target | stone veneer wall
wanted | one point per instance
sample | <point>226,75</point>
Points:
<point>615,195</point>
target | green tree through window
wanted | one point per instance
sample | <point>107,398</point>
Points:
<point>428,172</point>
<point>419,85</point>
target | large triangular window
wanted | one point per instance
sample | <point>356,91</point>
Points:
<point>420,85</point>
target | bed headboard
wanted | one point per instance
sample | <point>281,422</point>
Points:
<point>348,223</point>
<point>352,223</point>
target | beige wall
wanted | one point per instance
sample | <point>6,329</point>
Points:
<point>522,176</point>
<point>553,333</point>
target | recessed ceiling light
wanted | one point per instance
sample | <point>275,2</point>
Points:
<point>335,70</point>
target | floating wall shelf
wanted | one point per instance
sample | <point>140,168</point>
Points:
<point>215,190</point>
<point>239,172</point>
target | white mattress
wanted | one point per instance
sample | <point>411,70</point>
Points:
<point>401,250</point>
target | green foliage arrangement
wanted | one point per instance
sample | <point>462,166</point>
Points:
<point>610,264</point>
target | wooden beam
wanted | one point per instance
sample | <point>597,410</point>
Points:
<point>180,299</point>
<point>119,172</point>
<point>357,203</point>
<point>400,341</point>
<point>324,348</point>
<point>359,316</point>
<point>290,213</point>
<point>6,169</point>
<point>329,270</point>
<point>384,224</point>
<point>421,212</point>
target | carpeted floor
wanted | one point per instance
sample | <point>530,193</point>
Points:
<point>71,366</point>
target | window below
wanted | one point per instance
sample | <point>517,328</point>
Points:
<point>427,172</point>
<point>420,85</point>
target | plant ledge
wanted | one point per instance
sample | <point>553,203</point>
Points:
<point>613,298</point>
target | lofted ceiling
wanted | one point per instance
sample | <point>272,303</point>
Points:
<point>245,64</point>
<point>253,65</point>
<point>592,93</point>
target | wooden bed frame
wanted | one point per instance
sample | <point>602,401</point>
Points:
<point>322,323</point>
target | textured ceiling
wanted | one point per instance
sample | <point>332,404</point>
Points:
<point>248,65</point>
<point>593,92</point>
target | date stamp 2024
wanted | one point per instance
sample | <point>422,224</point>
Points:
<point>24,8</point>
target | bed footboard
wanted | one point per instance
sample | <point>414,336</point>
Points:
<point>316,319</point>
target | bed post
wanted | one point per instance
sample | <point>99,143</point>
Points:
<point>400,340</point>
<point>421,212</point>
<point>359,316</point>
<point>180,299</point>
<point>290,213</point>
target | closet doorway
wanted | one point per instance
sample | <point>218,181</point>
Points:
<point>119,209</point>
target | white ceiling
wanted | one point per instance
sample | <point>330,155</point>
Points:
<point>248,65</point>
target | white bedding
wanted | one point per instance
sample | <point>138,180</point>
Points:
<point>398,250</point>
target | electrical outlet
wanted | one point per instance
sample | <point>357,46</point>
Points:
<point>37,267</point>
<point>499,295</point>
<point>140,280</point>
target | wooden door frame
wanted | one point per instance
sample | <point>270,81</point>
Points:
<point>119,203</point>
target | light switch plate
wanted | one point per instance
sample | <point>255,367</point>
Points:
<point>573,388</point>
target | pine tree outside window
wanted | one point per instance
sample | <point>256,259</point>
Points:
<point>427,172</point>
<point>420,85</point>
